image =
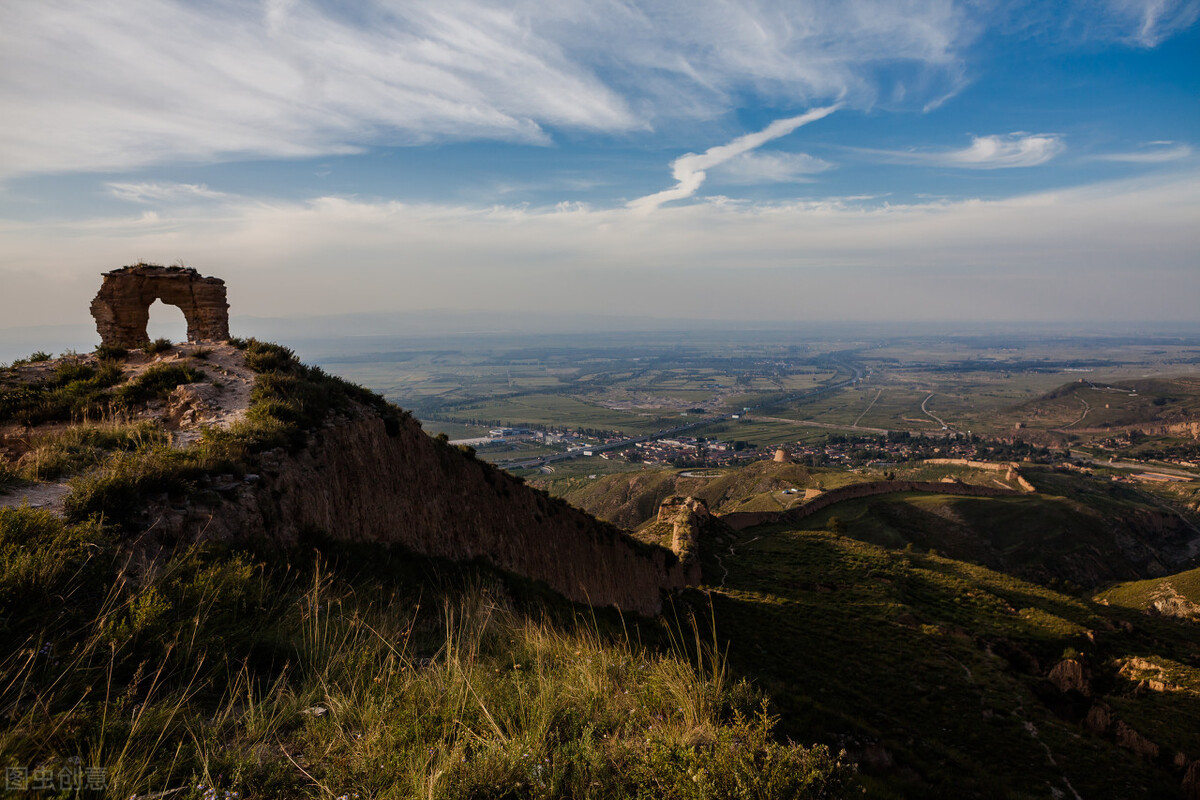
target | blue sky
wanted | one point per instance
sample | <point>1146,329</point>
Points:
<point>794,160</point>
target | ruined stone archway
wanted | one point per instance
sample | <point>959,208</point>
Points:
<point>122,306</point>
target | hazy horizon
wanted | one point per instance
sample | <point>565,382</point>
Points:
<point>316,336</point>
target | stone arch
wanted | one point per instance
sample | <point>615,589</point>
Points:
<point>122,306</point>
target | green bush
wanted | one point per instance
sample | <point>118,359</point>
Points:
<point>156,383</point>
<point>111,352</point>
<point>118,490</point>
<point>34,358</point>
<point>157,346</point>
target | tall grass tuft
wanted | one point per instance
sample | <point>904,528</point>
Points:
<point>215,671</point>
<point>55,454</point>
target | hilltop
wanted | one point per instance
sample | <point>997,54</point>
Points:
<point>262,578</point>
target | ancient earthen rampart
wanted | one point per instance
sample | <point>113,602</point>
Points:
<point>355,481</point>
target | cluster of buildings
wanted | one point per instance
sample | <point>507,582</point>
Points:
<point>684,451</point>
<point>836,450</point>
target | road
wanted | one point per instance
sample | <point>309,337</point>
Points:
<point>1144,466</point>
<point>868,408</point>
<point>929,413</point>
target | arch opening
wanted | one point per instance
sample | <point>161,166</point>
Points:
<point>166,321</point>
<point>122,306</point>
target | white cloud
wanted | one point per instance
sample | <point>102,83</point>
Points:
<point>148,192</point>
<point>107,86</point>
<point>1121,250</point>
<point>689,169</point>
<point>755,167</point>
<point>1155,153</point>
<point>1153,21</point>
<point>1138,23</point>
<point>985,152</point>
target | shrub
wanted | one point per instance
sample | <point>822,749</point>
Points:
<point>33,358</point>
<point>75,391</point>
<point>118,490</point>
<point>157,346</point>
<point>111,352</point>
<point>9,475</point>
<point>157,383</point>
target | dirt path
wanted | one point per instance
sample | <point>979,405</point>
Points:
<point>868,408</point>
<point>38,495</point>
<point>721,562</point>
<point>1086,408</point>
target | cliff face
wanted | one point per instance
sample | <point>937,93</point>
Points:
<point>360,481</point>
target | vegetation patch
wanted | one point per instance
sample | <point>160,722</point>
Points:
<point>210,671</point>
<point>73,391</point>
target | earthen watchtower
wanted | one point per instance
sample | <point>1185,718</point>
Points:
<point>122,306</point>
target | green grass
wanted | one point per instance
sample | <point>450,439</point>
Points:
<point>937,661</point>
<point>1142,595</point>
<point>552,409</point>
<point>369,672</point>
<point>74,391</point>
<point>60,453</point>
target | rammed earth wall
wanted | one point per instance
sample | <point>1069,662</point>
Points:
<point>355,481</point>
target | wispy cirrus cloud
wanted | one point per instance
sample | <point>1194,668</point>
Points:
<point>1153,153</point>
<point>1150,22</point>
<point>163,81</point>
<point>1137,23</point>
<point>984,152</point>
<point>690,170</point>
<point>148,192</point>
<point>756,167</point>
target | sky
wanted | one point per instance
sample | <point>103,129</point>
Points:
<point>700,159</point>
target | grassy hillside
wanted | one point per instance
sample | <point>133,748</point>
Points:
<point>933,672</point>
<point>1120,403</point>
<point>1043,538</point>
<point>328,670</point>
<point>355,672</point>
<point>1173,596</point>
<point>632,498</point>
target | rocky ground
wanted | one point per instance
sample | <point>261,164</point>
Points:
<point>220,399</point>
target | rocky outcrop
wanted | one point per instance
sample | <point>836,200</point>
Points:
<point>369,479</point>
<point>1191,781</point>
<point>1068,675</point>
<point>1099,718</point>
<point>687,516</point>
<point>122,306</point>
<point>1131,740</point>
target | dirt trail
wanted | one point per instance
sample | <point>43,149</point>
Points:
<point>38,495</point>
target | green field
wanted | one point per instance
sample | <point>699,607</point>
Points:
<point>553,410</point>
